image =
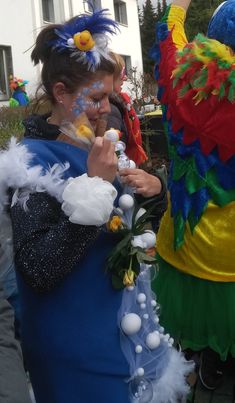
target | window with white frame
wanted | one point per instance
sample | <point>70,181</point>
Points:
<point>5,71</point>
<point>89,5</point>
<point>120,11</point>
<point>52,11</point>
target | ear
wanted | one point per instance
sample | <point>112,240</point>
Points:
<point>59,92</point>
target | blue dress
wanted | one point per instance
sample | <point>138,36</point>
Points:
<point>70,334</point>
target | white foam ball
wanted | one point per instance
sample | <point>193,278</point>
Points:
<point>146,316</point>
<point>153,340</point>
<point>156,319</point>
<point>112,135</point>
<point>171,341</point>
<point>130,288</point>
<point>126,202</point>
<point>143,305</point>
<point>120,146</point>
<point>131,324</point>
<point>141,297</point>
<point>70,42</point>
<point>140,372</point>
<point>138,349</point>
<point>153,303</point>
<point>149,238</point>
<point>139,213</point>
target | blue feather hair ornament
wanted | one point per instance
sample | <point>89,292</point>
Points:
<point>86,38</point>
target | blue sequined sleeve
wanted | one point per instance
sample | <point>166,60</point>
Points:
<point>47,245</point>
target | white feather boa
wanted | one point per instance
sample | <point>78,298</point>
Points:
<point>17,174</point>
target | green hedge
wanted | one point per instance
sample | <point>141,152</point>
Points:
<point>11,119</point>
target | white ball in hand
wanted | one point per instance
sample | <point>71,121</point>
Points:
<point>112,135</point>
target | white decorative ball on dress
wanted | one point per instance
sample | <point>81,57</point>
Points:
<point>141,297</point>
<point>140,372</point>
<point>153,340</point>
<point>126,202</point>
<point>131,324</point>
<point>138,349</point>
<point>149,238</point>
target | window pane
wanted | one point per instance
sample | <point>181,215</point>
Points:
<point>5,71</point>
<point>120,12</point>
<point>3,87</point>
<point>48,10</point>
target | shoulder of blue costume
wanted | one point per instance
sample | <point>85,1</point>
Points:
<point>47,153</point>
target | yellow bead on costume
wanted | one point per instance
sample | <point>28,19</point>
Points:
<point>84,41</point>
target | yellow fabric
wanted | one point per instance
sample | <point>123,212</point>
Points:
<point>208,253</point>
<point>175,19</point>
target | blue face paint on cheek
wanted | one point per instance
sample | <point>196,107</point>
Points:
<point>84,99</point>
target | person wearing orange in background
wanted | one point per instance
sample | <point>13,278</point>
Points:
<point>19,96</point>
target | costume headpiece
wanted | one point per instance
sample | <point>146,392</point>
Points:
<point>222,24</point>
<point>86,38</point>
<point>16,83</point>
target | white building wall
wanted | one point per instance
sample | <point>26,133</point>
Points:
<point>21,21</point>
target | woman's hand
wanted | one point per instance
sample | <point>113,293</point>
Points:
<point>144,183</point>
<point>102,160</point>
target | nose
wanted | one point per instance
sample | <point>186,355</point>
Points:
<point>105,105</point>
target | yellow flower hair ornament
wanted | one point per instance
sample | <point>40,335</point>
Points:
<point>86,38</point>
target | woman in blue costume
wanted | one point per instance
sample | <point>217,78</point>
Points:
<point>62,197</point>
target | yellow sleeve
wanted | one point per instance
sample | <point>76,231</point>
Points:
<point>175,19</point>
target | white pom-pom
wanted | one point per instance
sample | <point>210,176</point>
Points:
<point>130,288</point>
<point>149,238</point>
<point>70,42</point>
<point>146,316</point>
<point>140,372</point>
<point>126,202</point>
<point>142,306</point>
<point>131,324</point>
<point>141,297</point>
<point>153,303</point>
<point>138,349</point>
<point>153,340</point>
<point>139,213</point>
<point>112,135</point>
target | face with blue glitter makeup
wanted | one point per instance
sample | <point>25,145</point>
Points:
<point>93,99</point>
